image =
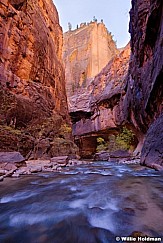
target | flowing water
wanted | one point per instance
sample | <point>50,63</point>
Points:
<point>85,204</point>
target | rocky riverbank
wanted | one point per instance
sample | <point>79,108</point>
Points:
<point>13,164</point>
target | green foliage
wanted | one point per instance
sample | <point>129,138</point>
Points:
<point>11,130</point>
<point>65,128</point>
<point>100,140</point>
<point>125,138</point>
<point>102,145</point>
<point>122,141</point>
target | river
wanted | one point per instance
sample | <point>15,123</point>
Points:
<point>85,204</point>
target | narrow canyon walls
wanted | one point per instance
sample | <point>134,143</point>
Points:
<point>119,95</point>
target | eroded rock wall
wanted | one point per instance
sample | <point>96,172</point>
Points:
<point>31,49</point>
<point>93,111</point>
<point>143,103</point>
<point>33,95</point>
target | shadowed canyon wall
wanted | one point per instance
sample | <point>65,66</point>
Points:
<point>143,103</point>
<point>33,104</point>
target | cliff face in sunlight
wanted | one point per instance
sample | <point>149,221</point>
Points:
<point>86,51</point>
<point>33,95</point>
<point>143,103</point>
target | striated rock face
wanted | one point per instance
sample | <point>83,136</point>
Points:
<point>33,104</point>
<point>93,110</point>
<point>143,103</point>
<point>106,87</point>
<point>86,51</point>
<point>31,49</point>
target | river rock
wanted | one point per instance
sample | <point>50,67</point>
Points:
<point>23,171</point>
<point>61,160</point>
<point>45,163</point>
<point>34,166</point>
<point>3,172</point>
<point>120,154</point>
<point>35,169</point>
<point>8,166</point>
<point>16,175</point>
<point>107,156</point>
<point>9,173</point>
<point>12,157</point>
<point>103,155</point>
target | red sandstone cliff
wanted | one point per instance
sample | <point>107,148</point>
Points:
<point>33,96</point>
<point>93,110</point>
<point>86,51</point>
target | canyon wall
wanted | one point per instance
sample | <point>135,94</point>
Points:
<point>143,102</point>
<point>33,103</point>
<point>93,110</point>
<point>93,85</point>
<point>86,51</point>
<point>121,95</point>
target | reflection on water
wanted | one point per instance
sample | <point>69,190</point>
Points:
<point>86,204</point>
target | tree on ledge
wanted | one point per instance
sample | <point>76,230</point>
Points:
<point>94,19</point>
<point>69,26</point>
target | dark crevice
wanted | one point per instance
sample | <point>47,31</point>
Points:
<point>156,97</point>
<point>78,115</point>
<point>18,4</point>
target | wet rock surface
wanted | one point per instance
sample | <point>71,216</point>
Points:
<point>88,203</point>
